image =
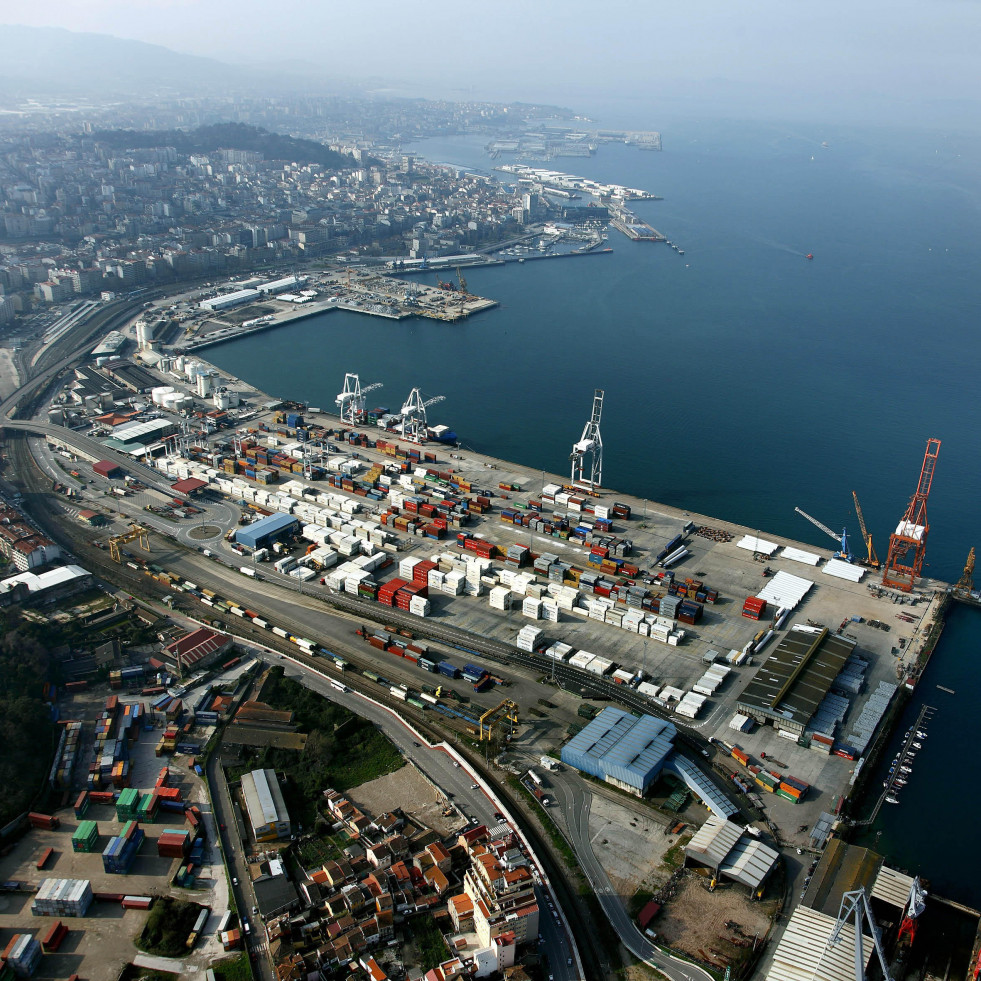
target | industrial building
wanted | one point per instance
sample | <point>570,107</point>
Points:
<point>196,649</point>
<point>230,300</point>
<point>46,587</point>
<point>805,952</point>
<point>623,749</point>
<point>267,531</point>
<point>793,681</point>
<point>731,852</point>
<point>265,806</point>
<point>133,438</point>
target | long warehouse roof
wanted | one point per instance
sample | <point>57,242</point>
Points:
<point>263,798</point>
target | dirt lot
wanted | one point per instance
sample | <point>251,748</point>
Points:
<point>406,788</point>
<point>694,920</point>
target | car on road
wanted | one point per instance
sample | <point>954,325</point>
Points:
<point>234,881</point>
<point>255,910</point>
<point>475,786</point>
<point>457,765</point>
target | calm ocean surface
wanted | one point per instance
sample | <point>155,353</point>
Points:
<point>741,379</point>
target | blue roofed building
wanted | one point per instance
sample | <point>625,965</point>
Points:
<point>266,531</point>
<point>622,749</point>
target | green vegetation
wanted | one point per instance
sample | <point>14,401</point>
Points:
<point>313,852</point>
<point>343,750</point>
<point>674,857</point>
<point>238,136</point>
<point>27,734</point>
<point>235,968</point>
<point>558,840</point>
<point>168,926</point>
<point>432,948</point>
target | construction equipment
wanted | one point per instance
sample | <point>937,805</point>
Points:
<point>901,571</point>
<point>414,426</point>
<point>351,401</point>
<point>856,905</point>
<point>507,708</point>
<point>844,552</point>
<point>591,444</point>
<point>461,281</point>
<point>872,561</point>
<point>965,585</point>
<point>137,533</point>
<point>915,905</point>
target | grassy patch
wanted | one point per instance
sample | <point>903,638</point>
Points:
<point>674,857</point>
<point>343,750</point>
<point>168,927</point>
<point>313,852</point>
<point>426,936</point>
<point>235,968</point>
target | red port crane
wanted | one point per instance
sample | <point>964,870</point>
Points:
<point>907,544</point>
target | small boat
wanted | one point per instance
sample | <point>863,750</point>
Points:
<point>891,800</point>
<point>810,255</point>
<point>917,745</point>
<point>920,735</point>
<point>900,782</point>
<point>905,769</point>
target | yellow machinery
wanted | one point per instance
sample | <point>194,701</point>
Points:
<point>872,561</point>
<point>965,584</point>
<point>137,533</point>
<point>507,709</point>
<point>462,282</point>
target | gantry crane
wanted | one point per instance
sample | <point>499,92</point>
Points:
<point>591,444</point>
<point>351,401</point>
<point>137,533</point>
<point>965,584</point>
<point>873,560</point>
<point>844,552</point>
<point>900,571</point>
<point>507,708</point>
<point>414,426</point>
<point>855,905</point>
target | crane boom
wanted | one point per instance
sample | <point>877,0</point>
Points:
<point>818,524</point>
<point>855,905</point>
<point>873,560</point>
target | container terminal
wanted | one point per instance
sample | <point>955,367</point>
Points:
<point>744,637</point>
<point>779,659</point>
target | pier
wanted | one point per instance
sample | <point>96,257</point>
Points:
<point>636,229</point>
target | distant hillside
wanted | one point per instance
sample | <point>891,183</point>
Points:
<point>227,136</point>
<point>52,60</point>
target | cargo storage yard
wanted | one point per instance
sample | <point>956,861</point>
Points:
<point>689,615</point>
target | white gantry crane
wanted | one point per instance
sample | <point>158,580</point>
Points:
<point>590,444</point>
<point>351,401</point>
<point>414,425</point>
<point>855,907</point>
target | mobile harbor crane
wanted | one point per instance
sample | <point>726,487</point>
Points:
<point>844,552</point>
<point>872,561</point>
<point>351,401</point>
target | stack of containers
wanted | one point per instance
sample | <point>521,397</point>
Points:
<point>118,856</point>
<point>174,843</point>
<point>128,804</point>
<point>529,638</point>
<point>81,805</point>
<point>23,954</point>
<point>85,837</point>
<point>792,789</point>
<point>147,810</point>
<point>690,612</point>
<point>62,897</point>
<point>500,598</point>
<point>754,607</point>
<point>531,608</point>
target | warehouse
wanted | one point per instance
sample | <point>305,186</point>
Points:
<point>196,649</point>
<point>794,679</point>
<point>265,806</point>
<point>230,300</point>
<point>623,749</point>
<point>133,437</point>
<point>267,531</point>
<point>107,469</point>
<point>731,852</point>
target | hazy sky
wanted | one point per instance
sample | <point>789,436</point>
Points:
<point>841,55</point>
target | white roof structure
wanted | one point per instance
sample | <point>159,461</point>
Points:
<point>843,570</point>
<point>892,887</point>
<point>805,954</point>
<point>909,530</point>
<point>785,589</point>
<point>728,848</point>
<point>799,555</point>
<point>263,798</point>
<point>36,582</point>
<point>753,543</point>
